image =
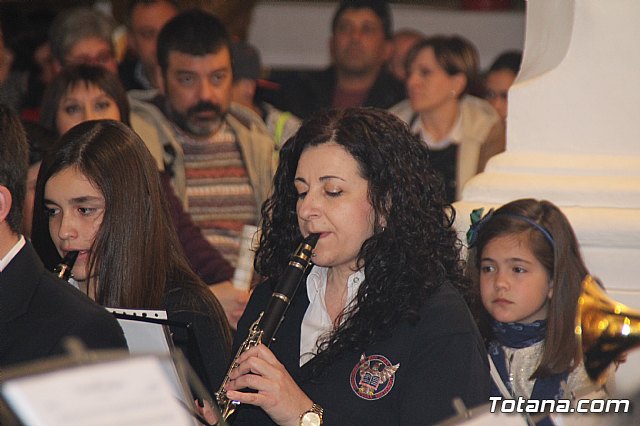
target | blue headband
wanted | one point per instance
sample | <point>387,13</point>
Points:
<point>477,222</point>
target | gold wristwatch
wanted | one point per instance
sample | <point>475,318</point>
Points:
<point>312,417</point>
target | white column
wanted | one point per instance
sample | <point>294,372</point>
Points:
<point>573,134</point>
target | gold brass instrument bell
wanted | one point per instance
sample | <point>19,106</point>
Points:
<point>606,328</point>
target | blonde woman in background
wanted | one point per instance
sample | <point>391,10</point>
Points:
<point>462,131</point>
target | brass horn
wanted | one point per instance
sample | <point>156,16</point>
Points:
<point>605,327</point>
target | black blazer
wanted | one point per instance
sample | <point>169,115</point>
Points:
<point>38,310</point>
<point>437,359</point>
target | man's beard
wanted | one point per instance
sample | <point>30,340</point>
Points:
<point>198,126</point>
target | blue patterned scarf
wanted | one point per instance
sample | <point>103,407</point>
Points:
<point>516,335</point>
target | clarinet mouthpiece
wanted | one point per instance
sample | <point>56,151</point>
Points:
<point>63,270</point>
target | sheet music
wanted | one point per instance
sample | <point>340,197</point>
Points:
<point>145,338</point>
<point>133,391</point>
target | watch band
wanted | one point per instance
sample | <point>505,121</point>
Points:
<point>315,409</point>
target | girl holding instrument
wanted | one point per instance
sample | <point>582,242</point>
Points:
<point>99,193</point>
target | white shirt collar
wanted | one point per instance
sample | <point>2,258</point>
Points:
<point>12,253</point>
<point>317,283</point>
<point>316,323</point>
<point>454,136</point>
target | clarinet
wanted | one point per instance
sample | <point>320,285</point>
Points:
<point>63,270</point>
<point>264,328</point>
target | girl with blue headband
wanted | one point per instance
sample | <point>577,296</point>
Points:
<point>526,262</point>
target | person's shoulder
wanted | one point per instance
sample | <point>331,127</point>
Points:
<point>318,76</point>
<point>74,313</point>
<point>389,81</point>
<point>402,110</point>
<point>63,296</point>
<point>144,104</point>
<point>478,117</point>
<point>246,117</point>
<point>57,308</point>
<point>446,309</point>
<point>445,296</point>
<point>193,299</point>
<point>579,383</point>
<point>185,298</point>
<point>386,91</point>
<point>143,95</point>
<point>475,108</point>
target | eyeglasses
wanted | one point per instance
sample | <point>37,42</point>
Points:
<point>490,94</point>
<point>103,58</point>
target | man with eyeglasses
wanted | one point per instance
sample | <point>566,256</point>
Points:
<point>83,36</point>
<point>144,22</point>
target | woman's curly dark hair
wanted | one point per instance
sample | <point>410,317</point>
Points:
<point>414,253</point>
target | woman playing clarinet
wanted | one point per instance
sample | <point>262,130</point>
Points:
<point>379,331</point>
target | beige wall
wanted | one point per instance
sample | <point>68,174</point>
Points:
<point>296,34</point>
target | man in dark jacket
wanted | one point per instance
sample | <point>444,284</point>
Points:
<point>37,310</point>
<point>360,46</point>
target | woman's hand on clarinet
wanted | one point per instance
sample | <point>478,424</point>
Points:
<point>277,393</point>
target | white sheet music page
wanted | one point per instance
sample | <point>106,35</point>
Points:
<point>145,338</point>
<point>134,391</point>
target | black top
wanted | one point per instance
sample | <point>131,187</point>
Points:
<point>445,163</point>
<point>38,310</point>
<point>439,358</point>
<point>127,70</point>
<point>312,91</point>
<point>205,350</point>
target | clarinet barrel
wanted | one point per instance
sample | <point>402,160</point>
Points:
<point>286,288</point>
<point>264,328</point>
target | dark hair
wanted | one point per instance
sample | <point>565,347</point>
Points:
<point>134,3</point>
<point>379,7</point>
<point>194,32</point>
<point>245,60</point>
<point>79,23</point>
<point>509,60</point>
<point>404,261</point>
<point>40,140</point>
<point>455,54</point>
<point>130,271</point>
<point>13,164</point>
<point>71,77</point>
<point>563,263</point>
